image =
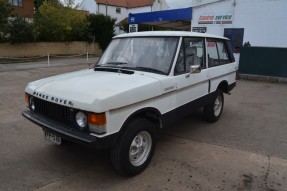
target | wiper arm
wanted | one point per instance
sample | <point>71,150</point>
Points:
<point>116,63</point>
<point>149,69</point>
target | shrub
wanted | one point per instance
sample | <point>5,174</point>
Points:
<point>101,28</point>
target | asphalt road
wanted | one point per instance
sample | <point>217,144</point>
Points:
<point>245,150</point>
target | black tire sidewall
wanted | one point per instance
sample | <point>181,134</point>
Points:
<point>219,93</point>
<point>209,109</point>
<point>134,128</point>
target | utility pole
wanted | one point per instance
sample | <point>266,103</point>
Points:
<point>106,7</point>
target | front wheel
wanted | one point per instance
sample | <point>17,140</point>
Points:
<point>135,148</point>
<point>212,111</point>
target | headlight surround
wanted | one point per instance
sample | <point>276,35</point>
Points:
<point>32,103</point>
<point>81,119</point>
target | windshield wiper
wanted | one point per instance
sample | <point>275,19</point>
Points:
<point>148,69</point>
<point>116,63</point>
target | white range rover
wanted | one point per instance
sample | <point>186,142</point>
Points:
<point>143,82</point>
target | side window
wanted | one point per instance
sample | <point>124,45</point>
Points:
<point>180,66</point>
<point>191,53</point>
<point>212,53</point>
<point>217,53</point>
<point>222,52</point>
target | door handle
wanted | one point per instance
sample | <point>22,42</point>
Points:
<point>187,75</point>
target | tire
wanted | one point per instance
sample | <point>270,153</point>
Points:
<point>212,111</point>
<point>135,148</point>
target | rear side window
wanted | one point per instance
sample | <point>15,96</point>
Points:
<point>217,52</point>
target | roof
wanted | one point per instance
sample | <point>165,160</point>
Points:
<point>176,19</point>
<point>123,22</point>
<point>169,33</point>
<point>127,3</point>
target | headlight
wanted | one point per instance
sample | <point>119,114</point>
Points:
<point>81,119</point>
<point>32,103</point>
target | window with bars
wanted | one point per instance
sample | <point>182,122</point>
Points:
<point>17,3</point>
<point>118,10</point>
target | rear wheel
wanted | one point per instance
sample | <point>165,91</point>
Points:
<point>212,112</point>
<point>135,147</point>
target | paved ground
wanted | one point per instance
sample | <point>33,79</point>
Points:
<point>44,63</point>
<point>245,150</point>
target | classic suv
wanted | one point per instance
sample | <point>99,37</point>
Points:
<point>143,82</point>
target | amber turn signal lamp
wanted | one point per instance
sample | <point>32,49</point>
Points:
<point>26,98</point>
<point>98,119</point>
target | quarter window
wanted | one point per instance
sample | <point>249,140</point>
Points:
<point>217,53</point>
<point>18,3</point>
<point>222,52</point>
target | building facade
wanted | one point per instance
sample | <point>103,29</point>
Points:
<point>120,9</point>
<point>24,8</point>
<point>249,22</point>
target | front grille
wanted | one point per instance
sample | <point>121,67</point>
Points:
<point>58,113</point>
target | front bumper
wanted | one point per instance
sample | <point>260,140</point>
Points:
<point>70,134</point>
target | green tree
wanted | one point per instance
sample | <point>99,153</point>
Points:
<point>101,27</point>
<point>20,30</point>
<point>5,11</point>
<point>56,22</point>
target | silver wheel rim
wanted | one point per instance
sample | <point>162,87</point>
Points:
<point>217,105</point>
<point>140,148</point>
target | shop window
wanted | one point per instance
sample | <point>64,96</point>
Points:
<point>236,37</point>
<point>17,3</point>
<point>118,10</point>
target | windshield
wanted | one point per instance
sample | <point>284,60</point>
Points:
<point>145,53</point>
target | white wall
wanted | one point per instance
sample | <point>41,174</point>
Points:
<point>162,5</point>
<point>111,11</point>
<point>264,21</point>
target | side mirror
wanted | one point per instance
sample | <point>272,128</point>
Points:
<point>195,69</point>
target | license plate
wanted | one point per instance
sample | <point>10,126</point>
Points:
<point>52,138</point>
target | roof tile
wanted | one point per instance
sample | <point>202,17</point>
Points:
<point>126,3</point>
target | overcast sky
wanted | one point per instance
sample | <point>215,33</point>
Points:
<point>90,5</point>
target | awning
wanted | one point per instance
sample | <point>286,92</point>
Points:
<point>177,19</point>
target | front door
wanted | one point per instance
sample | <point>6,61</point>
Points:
<point>191,87</point>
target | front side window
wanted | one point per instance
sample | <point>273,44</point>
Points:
<point>18,3</point>
<point>142,53</point>
<point>191,53</point>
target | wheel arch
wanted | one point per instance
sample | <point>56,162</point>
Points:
<point>149,113</point>
<point>223,86</point>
